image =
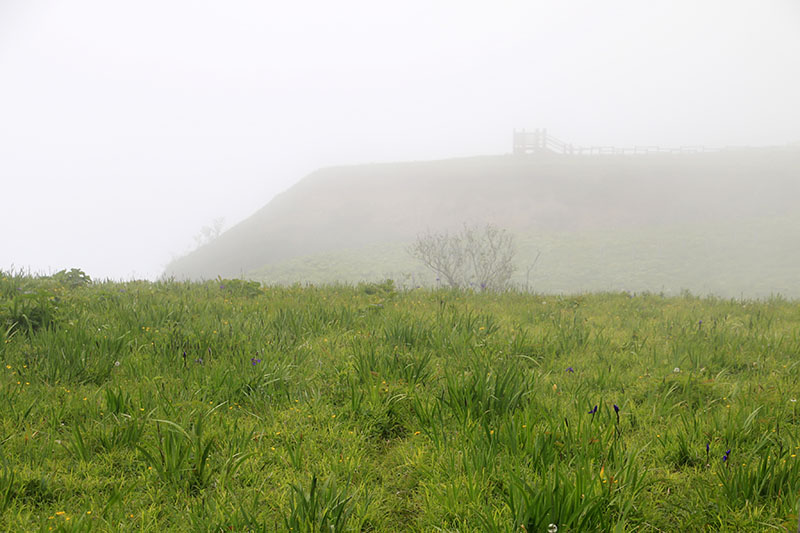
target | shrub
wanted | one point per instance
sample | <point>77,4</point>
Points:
<point>474,257</point>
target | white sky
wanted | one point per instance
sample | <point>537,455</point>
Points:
<point>127,126</point>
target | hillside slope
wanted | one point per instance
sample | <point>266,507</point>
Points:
<point>347,211</point>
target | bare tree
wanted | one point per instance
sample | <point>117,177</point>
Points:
<point>209,233</point>
<point>475,257</point>
<point>442,253</point>
<point>491,256</point>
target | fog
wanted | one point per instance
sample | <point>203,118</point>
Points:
<point>127,126</point>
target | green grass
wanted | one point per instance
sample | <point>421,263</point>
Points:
<point>224,406</point>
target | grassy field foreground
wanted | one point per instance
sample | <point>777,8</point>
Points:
<point>226,406</point>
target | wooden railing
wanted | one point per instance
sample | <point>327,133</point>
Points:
<point>539,141</point>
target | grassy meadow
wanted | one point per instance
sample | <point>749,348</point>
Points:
<point>227,406</point>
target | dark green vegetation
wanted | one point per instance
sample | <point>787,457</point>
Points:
<point>225,406</point>
<point>724,223</point>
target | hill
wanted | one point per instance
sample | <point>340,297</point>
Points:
<point>722,222</point>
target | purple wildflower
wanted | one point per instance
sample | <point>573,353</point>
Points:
<point>570,370</point>
<point>616,408</point>
<point>593,410</point>
<point>255,361</point>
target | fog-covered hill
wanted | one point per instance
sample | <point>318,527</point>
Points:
<point>723,222</point>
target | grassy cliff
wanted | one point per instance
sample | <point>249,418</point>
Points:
<point>720,222</point>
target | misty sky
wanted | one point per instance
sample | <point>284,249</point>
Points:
<point>127,126</point>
